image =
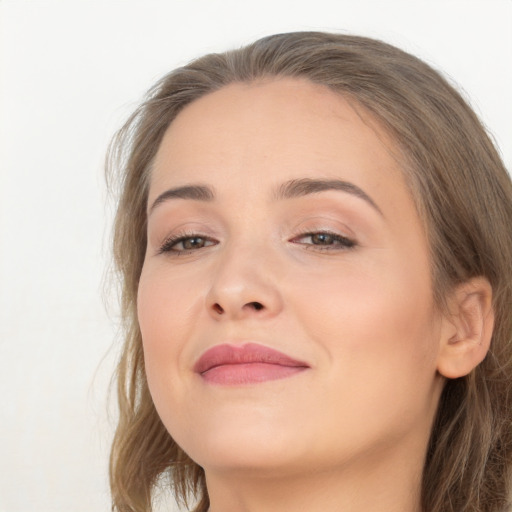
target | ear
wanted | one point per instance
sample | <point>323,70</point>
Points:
<point>467,328</point>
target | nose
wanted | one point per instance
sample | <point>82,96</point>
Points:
<point>245,285</point>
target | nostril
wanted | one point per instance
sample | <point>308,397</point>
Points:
<point>256,306</point>
<point>218,309</point>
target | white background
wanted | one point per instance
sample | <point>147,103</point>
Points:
<point>70,72</point>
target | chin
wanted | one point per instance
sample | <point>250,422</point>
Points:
<point>243,443</point>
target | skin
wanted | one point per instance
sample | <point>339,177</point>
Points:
<point>350,432</point>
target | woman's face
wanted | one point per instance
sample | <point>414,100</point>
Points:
<point>286,302</point>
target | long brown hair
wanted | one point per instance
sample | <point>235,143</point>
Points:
<point>463,194</point>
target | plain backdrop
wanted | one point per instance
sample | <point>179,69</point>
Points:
<point>70,73</point>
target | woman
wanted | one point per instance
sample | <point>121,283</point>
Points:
<point>313,236</point>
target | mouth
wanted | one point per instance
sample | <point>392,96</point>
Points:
<point>246,364</point>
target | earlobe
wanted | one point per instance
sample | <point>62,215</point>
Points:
<point>467,328</point>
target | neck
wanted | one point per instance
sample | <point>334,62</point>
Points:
<point>378,487</point>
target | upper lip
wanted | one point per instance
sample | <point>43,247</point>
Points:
<point>243,354</point>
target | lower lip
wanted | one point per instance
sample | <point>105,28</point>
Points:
<point>249,373</point>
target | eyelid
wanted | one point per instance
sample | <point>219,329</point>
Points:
<point>166,228</point>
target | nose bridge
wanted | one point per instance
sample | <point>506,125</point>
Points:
<point>245,279</point>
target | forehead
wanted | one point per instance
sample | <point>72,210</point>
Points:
<point>248,134</point>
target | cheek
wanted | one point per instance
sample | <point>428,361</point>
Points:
<point>372,321</point>
<point>165,305</point>
<point>166,309</point>
<point>378,334</point>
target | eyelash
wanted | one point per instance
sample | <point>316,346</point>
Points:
<point>173,240</point>
<point>339,242</point>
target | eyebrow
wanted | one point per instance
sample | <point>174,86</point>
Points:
<point>194,192</point>
<point>288,190</point>
<point>306,186</point>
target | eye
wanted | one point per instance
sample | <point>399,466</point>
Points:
<point>324,240</point>
<point>185,243</point>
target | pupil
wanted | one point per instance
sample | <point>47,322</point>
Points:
<point>322,239</point>
<point>193,243</point>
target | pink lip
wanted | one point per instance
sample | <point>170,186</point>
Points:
<point>247,364</point>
